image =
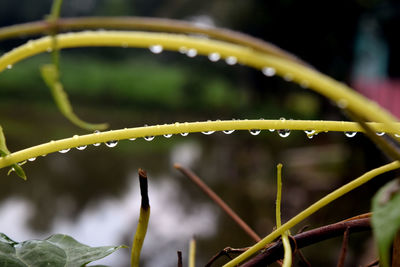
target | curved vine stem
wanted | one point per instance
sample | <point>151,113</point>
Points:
<point>178,128</point>
<point>336,91</point>
<point>312,209</point>
<point>143,23</point>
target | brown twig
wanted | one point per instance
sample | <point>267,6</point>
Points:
<point>210,193</point>
<point>143,189</point>
<point>307,238</point>
<point>180,264</point>
<point>396,250</point>
<point>225,252</point>
<point>343,251</point>
<point>143,23</point>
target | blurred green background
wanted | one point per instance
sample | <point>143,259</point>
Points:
<point>93,194</point>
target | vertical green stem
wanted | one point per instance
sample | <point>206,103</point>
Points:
<point>192,253</point>
<point>143,220</point>
<point>287,259</point>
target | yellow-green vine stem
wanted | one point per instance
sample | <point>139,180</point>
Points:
<point>336,91</point>
<point>177,128</point>
<point>192,253</point>
<point>287,258</point>
<point>312,209</point>
<point>142,23</point>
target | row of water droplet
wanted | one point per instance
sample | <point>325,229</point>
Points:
<point>281,132</point>
<point>230,60</point>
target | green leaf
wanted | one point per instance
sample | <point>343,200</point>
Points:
<point>50,76</point>
<point>386,218</point>
<point>4,152</point>
<point>57,251</point>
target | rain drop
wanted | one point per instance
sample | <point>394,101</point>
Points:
<point>96,144</point>
<point>255,131</point>
<point>397,135</point>
<point>191,52</point>
<point>156,49</point>
<point>184,134</point>
<point>231,60</point>
<point>380,133</point>
<point>228,131</point>
<point>288,77</point>
<point>149,138</point>
<point>81,147</point>
<point>214,57</point>
<point>132,139</point>
<point>268,71</point>
<point>308,132</point>
<point>350,134</point>
<point>9,66</point>
<point>167,135</point>
<point>31,159</point>
<point>182,50</point>
<point>342,103</point>
<point>64,150</point>
<point>284,133</point>
<point>112,143</point>
<point>208,132</point>
<point>304,84</point>
<point>271,130</point>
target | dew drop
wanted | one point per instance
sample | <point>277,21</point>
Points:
<point>64,150</point>
<point>132,139</point>
<point>350,134</point>
<point>271,130</point>
<point>214,57</point>
<point>308,132</point>
<point>310,136</point>
<point>182,50</point>
<point>96,144</point>
<point>112,143</point>
<point>156,49</point>
<point>191,52</point>
<point>208,132</point>
<point>304,84</point>
<point>31,159</point>
<point>255,131</point>
<point>284,133</point>
<point>231,60</point>
<point>184,134</point>
<point>397,135</point>
<point>380,133</point>
<point>49,50</point>
<point>9,66</point>
<point>288,77</point>
<point>268,71</point>
<point>75,136</point>
<point>167,135</point>
<point>342,103</point>
<point>81,147</point>
<point>149,138</point>
<point>228,131</point>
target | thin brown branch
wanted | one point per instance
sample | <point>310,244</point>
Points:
<point>143,23</point>
<point>211,194</point>
<point>275,251</point>
<point>343,251</point>
<point>180,264</point>
<point>225,252</point>
<point>396,251</point>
